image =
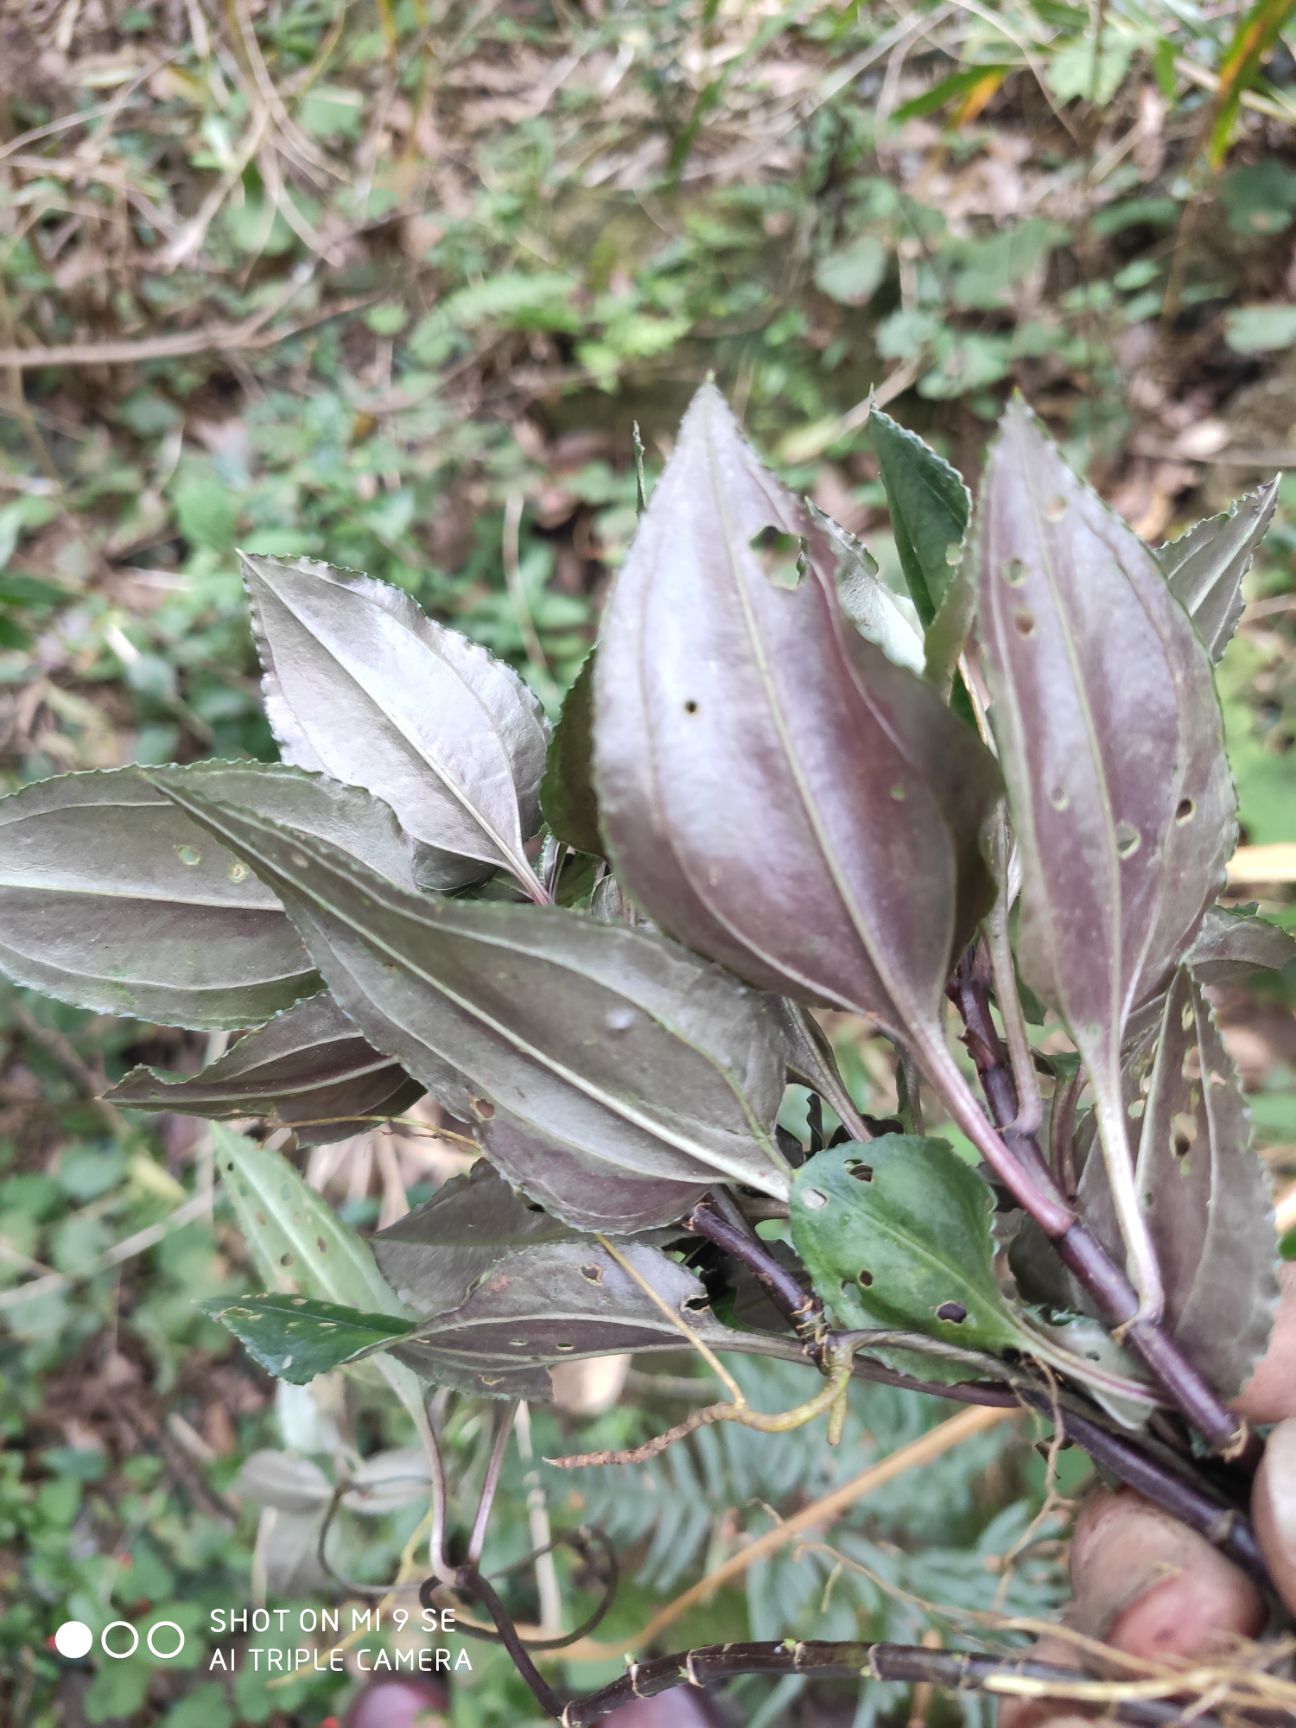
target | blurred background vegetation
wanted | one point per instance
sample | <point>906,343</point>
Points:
<point>390,282</point>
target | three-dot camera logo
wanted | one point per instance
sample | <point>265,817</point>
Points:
<point>119,1639</point>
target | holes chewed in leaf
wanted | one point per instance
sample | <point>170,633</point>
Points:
<point>690,707</point>
<point>814,1199</point>
<point>1100,929</point>
<point>1014,572</point>
<point>781,556</point>
<point>189,855</point>
<point>592,1274</point>
<point>914,1254</point>
<point>482,1109</point>
<point>709,842</point>
<point>1183,1132</point>
<point>1185,810</point>
<point>1060,798</point>
<point>1024,622</point>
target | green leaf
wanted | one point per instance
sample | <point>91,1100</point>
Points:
<point>1259,198</point>
<point>990,271</point>
<point>299,1244</point>
<point>1206,566</point>
<point>929,507</point>
<point>1261,329</point>
<point>1256,33</point>
<point>853,273</point>
<point>880,615</point>
<point>296,1339</point>
<point>515,300</point>
<point>567,796</point>
<point>296,1239</point>
<point>964,82</point>
<point>895,1232</point>
<point>206,506</point>
<point>1088,70</point>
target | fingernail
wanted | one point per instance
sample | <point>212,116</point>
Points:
<point>1274,1509</point>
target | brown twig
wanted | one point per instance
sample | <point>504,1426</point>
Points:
<point>250,334</point>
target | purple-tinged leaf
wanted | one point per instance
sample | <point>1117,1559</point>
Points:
<point>360,684</point>
<point>1110,736</point>
<point>308,1069</point>
<point>567,793</point>
<point>620,1047</point>
<point>777,792</point>
<point>1234,942</point>
<point>112,898</point>
<point>1207,1197</point>
<point>587,1193</point>
<point>434,1255</point>
<point>558,1301</point>
<point>1205,1192</point>
<point>812,1061</point>
<point>1205,567</point>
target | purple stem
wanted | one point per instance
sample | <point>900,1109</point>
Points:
<point>787,1289</point>
<point>902,1664</point>
<point>1225,1528</point>
<point>1078,1247</point>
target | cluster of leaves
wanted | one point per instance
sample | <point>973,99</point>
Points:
<point>768,778</point>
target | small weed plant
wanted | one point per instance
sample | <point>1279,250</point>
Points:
<point>778,786</point>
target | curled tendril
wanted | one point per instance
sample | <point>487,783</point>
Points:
<point>588,1543</point>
